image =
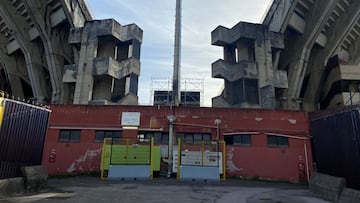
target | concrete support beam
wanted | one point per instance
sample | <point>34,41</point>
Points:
<point>300,50</point>
<point>344,72</point>
<point>31,53</point>
<point>321,40</point>
<point>9,64</point>
<point>320,57</point>
<point>223,36</point>
<point>297,23</point>
<point>279,15</point>
<point>77,12</point>
<point>57,17</point>
<point>12,47</point>
<point>33,33</point>
<point>53,45</point>
<point>354,53</point>
<point>70,73</point>
<point>13,76</point>
<point>236,71</point>
<point>116,69</point>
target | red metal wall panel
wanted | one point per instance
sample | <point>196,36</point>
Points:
<point>255,160</point>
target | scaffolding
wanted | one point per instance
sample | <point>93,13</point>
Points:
<point>188,87</point>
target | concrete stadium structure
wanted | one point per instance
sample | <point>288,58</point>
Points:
<point>305,55</point>
<point>55,52</point>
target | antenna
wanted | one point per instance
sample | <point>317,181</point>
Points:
<point>177,56</point>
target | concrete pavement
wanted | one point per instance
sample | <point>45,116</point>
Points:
<point>91,189</point>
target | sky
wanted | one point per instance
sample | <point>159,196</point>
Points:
<point>199,17</point>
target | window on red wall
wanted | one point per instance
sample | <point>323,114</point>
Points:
<point>101,134</point>
<point>159,137</point>
<point>238,139</point>
<point>193,138</point>
<point>277,141</point>
<point>69,135</point>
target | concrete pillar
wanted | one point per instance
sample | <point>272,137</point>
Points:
<point>38,82</point>
<point>85,78</point>
<point>263,57</point>
<point>15,84</point>
<point>12,75</point>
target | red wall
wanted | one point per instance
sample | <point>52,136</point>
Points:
<point>257,160</point>
<point>268,162</point>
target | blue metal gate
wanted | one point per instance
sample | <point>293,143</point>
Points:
<point>22,135</point>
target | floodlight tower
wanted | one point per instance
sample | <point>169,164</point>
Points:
<point>176,82</point>
<point>177,56</point>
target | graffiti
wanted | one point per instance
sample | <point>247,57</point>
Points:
<point>230,165</point>
<point>85,160</point>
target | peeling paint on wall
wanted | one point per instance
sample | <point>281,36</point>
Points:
<point>230,165</point>
<point>292,121</point>
<point>84,160</point>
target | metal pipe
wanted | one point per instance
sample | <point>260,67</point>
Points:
<point>307,163</point>
<point>195,125</point>
<point>170,146</point>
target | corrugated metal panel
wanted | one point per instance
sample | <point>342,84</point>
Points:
<point>22,136</point>
<point>336,145</point>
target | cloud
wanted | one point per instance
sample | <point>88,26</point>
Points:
<point>199,18</point>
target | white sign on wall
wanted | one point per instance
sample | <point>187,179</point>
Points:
<point>130,119</point>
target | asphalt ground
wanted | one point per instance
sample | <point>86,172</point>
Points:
<point>84,189</point>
